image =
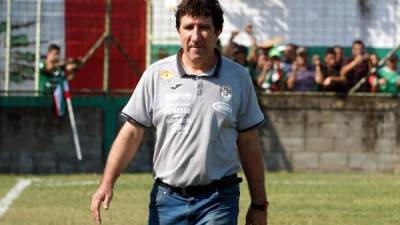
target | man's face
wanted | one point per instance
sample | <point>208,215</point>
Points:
<point>338,53</point>
<point>301,59</point>
<point>261,60</point>
<point>240,57</point>
<point>374,59</point>
<point>53,56</point>
<point>392,64</point>
<point>357,49</point>
<point>198,37</point>
<point>330,60</point>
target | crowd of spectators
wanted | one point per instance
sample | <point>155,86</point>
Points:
<point>275,67</point>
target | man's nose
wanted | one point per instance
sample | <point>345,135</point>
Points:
<point>195,34</point>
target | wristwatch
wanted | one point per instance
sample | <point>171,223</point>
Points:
<point>262,207</point>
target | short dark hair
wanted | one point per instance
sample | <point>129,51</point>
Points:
<point>337,46</point>
<point>200,8</point>
<point>330,51</point>
<point>53,47</point>
<point>358,41</point>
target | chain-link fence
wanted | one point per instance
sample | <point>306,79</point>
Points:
<point>80,28</point>
<point>311,23</point>
<point>18,31</point>
<point>146,31</point>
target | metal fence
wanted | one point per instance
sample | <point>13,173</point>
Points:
<point>82,28</point>
<point>27,27</point>
<point>311,23</point>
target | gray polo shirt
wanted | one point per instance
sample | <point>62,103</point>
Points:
<point>196,118</point>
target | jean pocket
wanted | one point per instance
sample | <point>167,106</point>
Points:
<point>158,195</point>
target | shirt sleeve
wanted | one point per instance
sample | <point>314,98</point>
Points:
<point>139,108</point>
<point>250,114</point>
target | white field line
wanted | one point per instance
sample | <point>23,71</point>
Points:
<point>320,183</point>
<point>13,194</point>
<point>50,183</point>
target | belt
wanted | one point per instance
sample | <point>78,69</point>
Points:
<point>202,189</point>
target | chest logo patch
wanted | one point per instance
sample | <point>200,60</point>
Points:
<point>226,92</point>
<point>222,107</point>
<point>165,74</point>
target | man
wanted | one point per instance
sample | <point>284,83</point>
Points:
<point>356,67</point>
<point>389,77</point>
<point>327,75</point>
<point>54,76</point>
<point>247,57</point>
<point>53,71</point>
<point>339,57</point>
<point>302,76</point>
<point>271,77</point>
<point>289,57</point>
<point>202,106</point>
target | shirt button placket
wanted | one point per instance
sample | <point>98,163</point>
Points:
<point>199,86</point>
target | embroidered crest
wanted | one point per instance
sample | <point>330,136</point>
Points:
<point>165,74</point>
<point>226,92</point>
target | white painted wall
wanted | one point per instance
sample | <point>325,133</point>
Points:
<point>304,22</point>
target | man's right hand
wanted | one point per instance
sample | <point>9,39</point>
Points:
<point>102,195</point>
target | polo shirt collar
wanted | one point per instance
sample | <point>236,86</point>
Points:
<point>182,72</point>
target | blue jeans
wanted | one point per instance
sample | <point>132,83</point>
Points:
<point>217,207</point>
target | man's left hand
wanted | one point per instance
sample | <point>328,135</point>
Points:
<point>256,217</point>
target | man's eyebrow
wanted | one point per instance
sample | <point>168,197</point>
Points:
<point>203,25</point>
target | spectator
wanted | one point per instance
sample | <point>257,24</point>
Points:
<point>289,56</point>
<point>389,77</point>
<point>373,60</point>
<point>271,77</point>
<point>373,77</point>
<point>252,56</point>
<point>53,70</point>
<point>301,77</point>
<point>240,54</point>
<point>356,67</point>
<point>265,49</point>
<point>262,59</point>
<point>327,75</point>
<point>339,57</point>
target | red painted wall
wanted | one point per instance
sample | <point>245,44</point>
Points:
<point>84,24</point>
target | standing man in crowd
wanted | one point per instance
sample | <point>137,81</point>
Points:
<point>356,67</point>
<point>389,77</point>
<point>302,76</point>
<point>328,75</point>
<point>53,70</point>
<point>339,57</point>
<point>204,110</point>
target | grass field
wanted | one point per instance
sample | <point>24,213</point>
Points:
<point>296,199</point>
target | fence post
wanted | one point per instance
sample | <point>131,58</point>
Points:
<point>8,49</point>
<point>106,65</point>
<point>148,32</point>
<point>37,44</point>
